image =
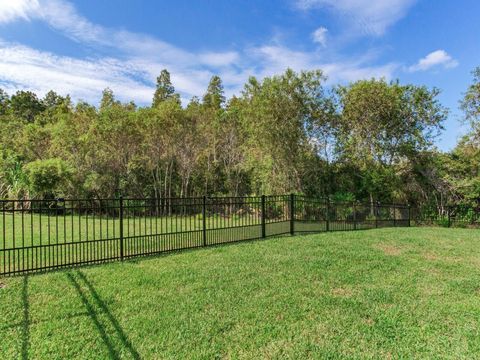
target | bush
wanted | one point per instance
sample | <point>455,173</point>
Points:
<point>48,177</point>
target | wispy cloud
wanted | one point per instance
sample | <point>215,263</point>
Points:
<point>25,68</point>
<point>276,58</point>
<point>372,17</point>
<point>219,59</point>
<point>13,9</point>
<point>136,59</point>
<point>320,36</point>
<point>438,58</point>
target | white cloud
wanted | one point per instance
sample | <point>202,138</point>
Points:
<point>351,71</point>
<point>136,60</point>
<point>219,59</point>
<point>25,68</point>
<point>320,36</point>
<point>434,59</point>
<point>275,59</point>
<point>63,16</point>
<point>11,10</point>
<point>371,16</point>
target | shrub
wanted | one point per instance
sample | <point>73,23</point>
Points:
<point>48,177</point>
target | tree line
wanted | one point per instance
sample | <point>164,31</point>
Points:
<point>370,140</point>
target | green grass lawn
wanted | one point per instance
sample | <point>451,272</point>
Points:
<point>400,293</point>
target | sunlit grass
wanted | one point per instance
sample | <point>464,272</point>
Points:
<point>387,293</point>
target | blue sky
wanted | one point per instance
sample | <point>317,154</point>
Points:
<point>82,47</point>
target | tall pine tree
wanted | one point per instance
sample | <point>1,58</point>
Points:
<point>214,97</point>
<point>164,90</point>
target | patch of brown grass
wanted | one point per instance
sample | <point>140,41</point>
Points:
<point>430,256</point>
<point>369,321</point>
<point>342,292</point>
<point>390,250</point>
<point>433,271</point>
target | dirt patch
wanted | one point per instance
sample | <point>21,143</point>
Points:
<point>342,292</point>
<point>2,285</point>
<point>390,250</point>
<point>430,256</point>
<point>369,321</point>
<point>433,271</point>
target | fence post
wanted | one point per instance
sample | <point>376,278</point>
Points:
<point>354,216</point>
<point>449,224</point>
<point>376,214</point>
<point>121,227</point>
<point>292,214</point>
<point>264,233</point>
<point>409,215</point>
<point>327,206</point>
<point>394,215</point>
<point>204,220</point>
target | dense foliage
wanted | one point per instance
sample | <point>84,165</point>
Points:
<point>370,140</point>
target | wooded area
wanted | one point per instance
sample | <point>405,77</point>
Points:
<point>371,140</point>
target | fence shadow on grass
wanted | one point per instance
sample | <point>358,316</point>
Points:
<point>94,314</point>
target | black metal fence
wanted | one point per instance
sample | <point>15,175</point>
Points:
<point>449,216</point>
<point>46,234</point>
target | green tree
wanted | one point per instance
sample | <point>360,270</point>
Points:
<point>369,140</point>
<point>52,100</point>
<point>470,105</point>
<point>383,124</point>
<point>114,141</point>
<point>471,101</point>
<point>160,132</point>
<point>26,105</point>
<point>108,99</point>
<point>4,102</point>
<point>164,89</point>
<point>276,114</point>
<point>462,168</point>
<point>47,177</point>
<point>72,138</point>
<point>13,181</point>
<point>214,97</point>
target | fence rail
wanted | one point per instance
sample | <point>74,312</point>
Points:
<point>47,234</point>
